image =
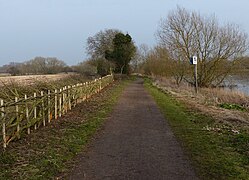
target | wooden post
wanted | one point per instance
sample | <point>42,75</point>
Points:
<point>78,94</point>
<point>87,95</point>
<point>95,90</point>
<point>49,108</point>
<point>89,89</point>
<point>73,96</point>
<point>81,93</point>
<point>55,104</point>
<point>69,97</point>
<point>43,110</point>
<point>60,103</point>
<point>196,80</point>
<point>63,100</point>
<point>193,60</point>
<point>17,119</point>
<point>35,111</point>
<point>85,91</point>
<point>66,96</point>
<point>3,125</point>
<point>27,113</point>
<point>100,84</point>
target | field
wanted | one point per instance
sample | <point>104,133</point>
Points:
<point>30,79</point>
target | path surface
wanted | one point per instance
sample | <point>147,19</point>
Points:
<point>136,144</point>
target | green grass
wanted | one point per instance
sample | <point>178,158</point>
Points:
<point>50,151</point>
<point>216,151</point>
<point>232,106</point>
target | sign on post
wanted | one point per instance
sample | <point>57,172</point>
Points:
<point>193,60</point>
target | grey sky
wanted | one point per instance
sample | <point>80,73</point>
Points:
<point>59,28</point>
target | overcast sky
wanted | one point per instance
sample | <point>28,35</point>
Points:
<point>59,28</point>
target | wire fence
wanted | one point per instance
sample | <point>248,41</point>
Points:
<point>22,115</point>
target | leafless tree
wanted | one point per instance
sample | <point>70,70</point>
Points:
<point>86,68</point>
<point>140,58</point>
<point>98,44</point>
<point>42,65</point>
<point>158,62</point>
<point>217,47</point>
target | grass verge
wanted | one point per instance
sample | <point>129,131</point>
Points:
<point>49,152</point>
<point>216,150</point>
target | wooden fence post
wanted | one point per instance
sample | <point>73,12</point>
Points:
<point>69,97</point>
<point>95,90</point>
<point>60,102</point>
<point>77,93</point>
<point>3,125</point>
<point>63,100</point>
<point>81,93</point>
<point>49,108</point>
<point>100,84</point>
<point>55,104</point>
<point>35,111</point>
<point>27,113</point>
<point>43,110</point>
<point>73,95</point>
<point>66,96</point>
<point>86,90</point>
<point>17,119</point>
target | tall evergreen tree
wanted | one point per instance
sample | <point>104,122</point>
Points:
<point>122,53</point>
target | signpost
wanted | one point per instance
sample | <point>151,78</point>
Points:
<point>193,60</point>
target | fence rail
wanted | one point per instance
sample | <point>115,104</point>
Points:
<point>31,112</point>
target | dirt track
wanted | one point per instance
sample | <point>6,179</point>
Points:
<point>135,143</point>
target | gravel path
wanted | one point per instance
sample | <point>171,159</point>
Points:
<point>135,143</point>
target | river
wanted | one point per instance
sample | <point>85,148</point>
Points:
<point>238,83</point>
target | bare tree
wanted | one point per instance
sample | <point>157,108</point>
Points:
<point>86,68</point>
<point>98,44</point>
<point>54,65</point>
<point>158,63</point>
<point>42,65</point>
<point>140,58</point>
<point>217,47</point>
<point>13,68</point>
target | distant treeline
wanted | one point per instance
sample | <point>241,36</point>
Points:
<point>38,65</point>
<point>46,65</point>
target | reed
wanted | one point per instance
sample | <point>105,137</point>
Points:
<point>211,96</point>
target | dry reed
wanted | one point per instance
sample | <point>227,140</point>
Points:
<point>212,96</point>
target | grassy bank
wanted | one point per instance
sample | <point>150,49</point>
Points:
<point>216,150</point>
<point>49,151</point>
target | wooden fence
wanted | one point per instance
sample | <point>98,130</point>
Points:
<point>30,112</point>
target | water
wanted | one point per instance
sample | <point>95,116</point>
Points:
<point>239,83</point>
